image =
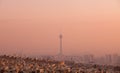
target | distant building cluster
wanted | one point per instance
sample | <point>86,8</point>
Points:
<point>90,59</point>
<point>15,64</point>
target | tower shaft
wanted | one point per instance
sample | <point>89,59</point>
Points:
<point>60,44</point>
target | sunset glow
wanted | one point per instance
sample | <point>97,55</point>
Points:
<point>33,26</point>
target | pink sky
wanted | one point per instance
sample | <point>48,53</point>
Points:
<point>88,26</point>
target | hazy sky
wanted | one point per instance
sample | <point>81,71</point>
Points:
<point>88,26</point>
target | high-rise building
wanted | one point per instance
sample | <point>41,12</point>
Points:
<point>115,59</point>
<point>108,59</point>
